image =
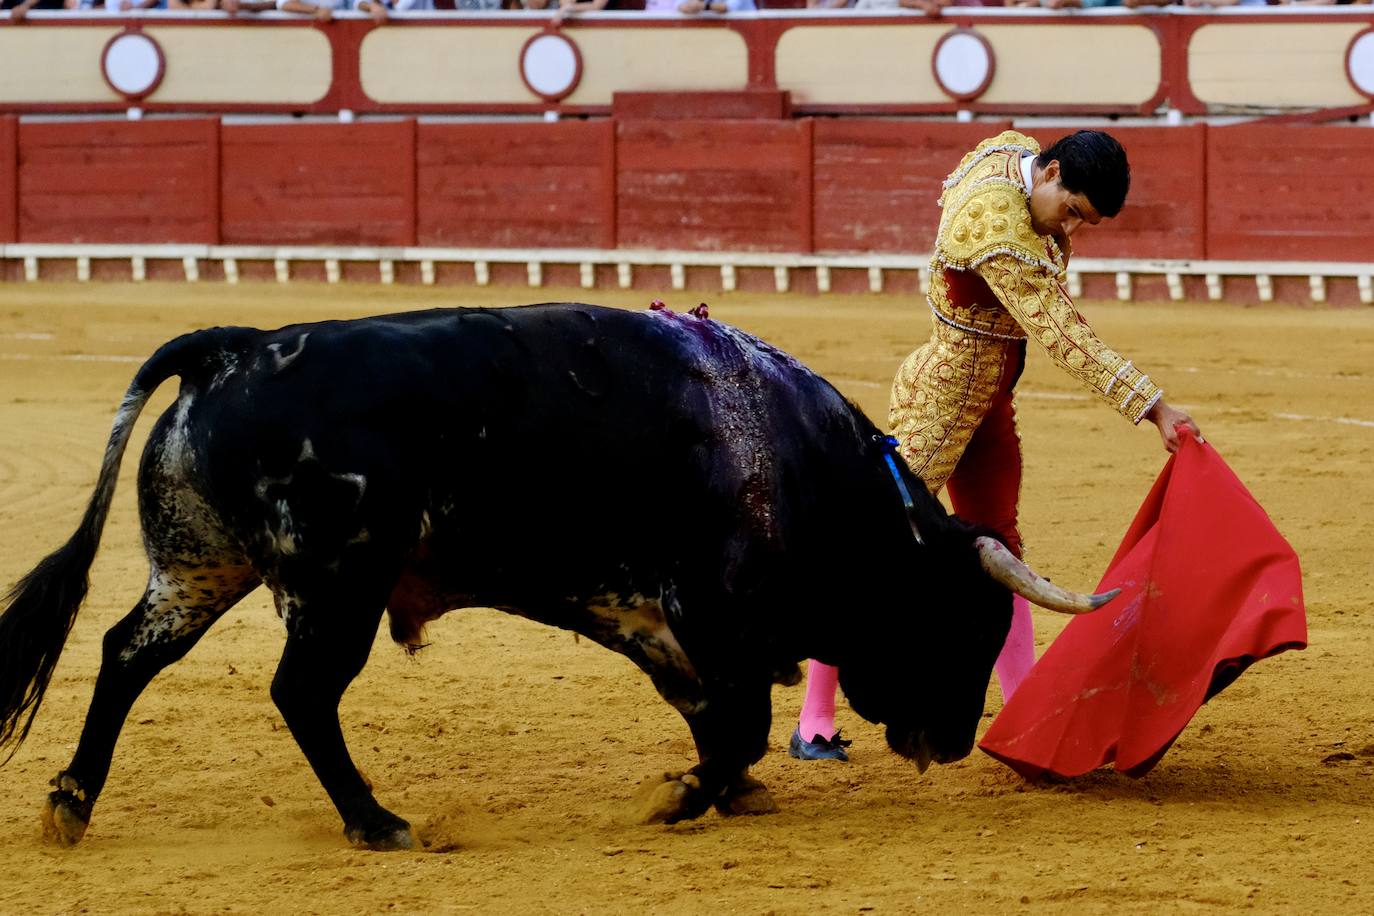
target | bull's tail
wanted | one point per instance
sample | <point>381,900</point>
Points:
<point>40,610</point>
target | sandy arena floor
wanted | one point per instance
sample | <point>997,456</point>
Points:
<point>515,750</point>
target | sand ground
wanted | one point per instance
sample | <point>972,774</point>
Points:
<point>515,749</point>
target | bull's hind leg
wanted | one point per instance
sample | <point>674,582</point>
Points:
<point>330,631</point>
<point>175,612</point>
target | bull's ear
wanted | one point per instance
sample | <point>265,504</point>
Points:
<point>1003,566</point>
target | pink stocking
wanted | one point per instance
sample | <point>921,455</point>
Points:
<point>818,709</point>
<point>1018,652</point>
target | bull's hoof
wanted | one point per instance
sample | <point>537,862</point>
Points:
<point>389,836</point>
<point>746,796</point>
<point>65,819</point>
<point>670,798</point>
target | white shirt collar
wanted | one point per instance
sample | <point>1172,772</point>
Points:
<point>1027,162</point>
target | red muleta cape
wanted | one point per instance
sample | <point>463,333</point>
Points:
<point>1208,587</point>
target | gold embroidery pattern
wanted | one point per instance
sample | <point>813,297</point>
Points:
<point>941,394</point>
<point>1008,141</point>
<point>989,215</point>
<point>1042,307</point>
<point>975,317</point>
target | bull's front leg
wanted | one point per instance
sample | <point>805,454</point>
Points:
<point>730,726</point>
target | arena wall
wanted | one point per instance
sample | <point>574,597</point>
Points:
<point>516,185</point>
<point>318,184</point>
<point>9,178</point>
<point>112,181</point>
<point>782,185</point>
<point>793,149</point>
<point>1287,192</point>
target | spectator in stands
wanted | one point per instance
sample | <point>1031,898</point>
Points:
<point>692,7</point>
<point>234,7</point>
<point>20,8</point>
<point>1074,4</point>
<point>1202,3</point>
<point>929,7</point>
<point>378,9</point>
<point>119,7</point>
<point>322,10</point>
<point>568,8</point>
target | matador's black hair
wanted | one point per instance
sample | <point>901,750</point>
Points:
<point>1091,162</point>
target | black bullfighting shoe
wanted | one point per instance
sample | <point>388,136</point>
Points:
<point>818,748</point>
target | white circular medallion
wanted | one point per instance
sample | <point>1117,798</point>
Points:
<point>551,65</point>
<point>963,64</point>
<point>133,64</point>
<point>1359,62</point>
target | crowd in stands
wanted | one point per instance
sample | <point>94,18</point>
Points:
<point>324,10</point>
<point>378,9</point>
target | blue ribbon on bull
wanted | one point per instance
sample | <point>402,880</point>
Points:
<point>889,447</point>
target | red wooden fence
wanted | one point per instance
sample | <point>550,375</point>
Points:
<point>9,178</point>
<point>713,185</point>
<point>114,181</point>
<point>516,185</point>
<point>832,185</point>
<point>1290,194</point>
<point>876,182</point>
<point>319,184</point>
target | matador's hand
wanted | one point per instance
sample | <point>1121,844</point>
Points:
<point>1171,422</point>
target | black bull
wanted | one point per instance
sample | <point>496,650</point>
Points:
<point>667,486</point>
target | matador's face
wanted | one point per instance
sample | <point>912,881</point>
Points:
<point>1055,210</point>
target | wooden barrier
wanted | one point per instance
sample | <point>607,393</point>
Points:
<point>819,189</point>
<point>338,184</point>
<point>516,185</point>
<point>1290,193</point>
<point>876,182</point>
<point>9,178</point>
<point>714,185</point>
<point>117,181</point>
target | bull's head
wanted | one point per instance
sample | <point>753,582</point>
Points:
<point>928,682</point>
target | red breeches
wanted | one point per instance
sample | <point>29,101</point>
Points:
<point>986,484</point>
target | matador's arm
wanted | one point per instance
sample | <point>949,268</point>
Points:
<point>1040,304</point>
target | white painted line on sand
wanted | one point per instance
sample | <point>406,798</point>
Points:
<point>1344,421</point>
<point>1299,417</point>
<point>1272,373</point>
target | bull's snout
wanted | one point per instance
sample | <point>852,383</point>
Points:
<point>916,745</point>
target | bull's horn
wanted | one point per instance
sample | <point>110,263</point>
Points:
<point>1003,566</point>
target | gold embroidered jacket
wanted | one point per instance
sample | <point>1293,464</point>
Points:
<point>994,282</point>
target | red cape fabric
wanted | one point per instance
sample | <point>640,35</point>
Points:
<point>1208,587</point>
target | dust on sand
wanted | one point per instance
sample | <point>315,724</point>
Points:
<point>516,750</point>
